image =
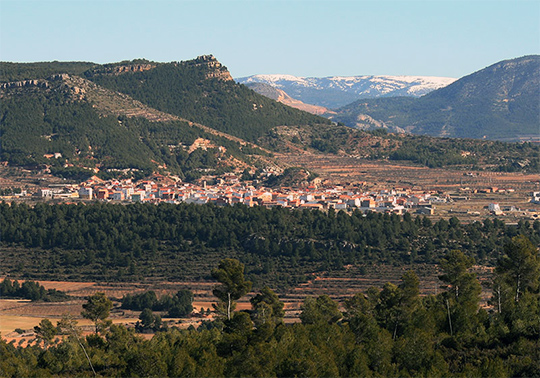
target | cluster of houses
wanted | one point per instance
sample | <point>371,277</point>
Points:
<point>231,192</point>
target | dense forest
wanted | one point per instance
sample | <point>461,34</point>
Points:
<point>181,242</point>
<point>186,90</point>
<point>388,332</point>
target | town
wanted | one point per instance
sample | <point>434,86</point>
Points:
<point>229,190</point>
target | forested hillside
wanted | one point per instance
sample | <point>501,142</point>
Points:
<point>45,123</point>
<point>202,91</point>
<point>181,242</point>
<point>84,123</point>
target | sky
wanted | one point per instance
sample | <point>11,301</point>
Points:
<point>449,38</point>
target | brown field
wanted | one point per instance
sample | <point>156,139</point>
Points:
<point>347,169</point>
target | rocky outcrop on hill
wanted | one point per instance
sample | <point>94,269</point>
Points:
<point>281,96</point>
<point>215,68</point>
<point>25,84</point>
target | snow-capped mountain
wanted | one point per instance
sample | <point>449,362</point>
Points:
<point>334,92</point>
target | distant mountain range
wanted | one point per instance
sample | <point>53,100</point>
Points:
<point>500,102</point>
<point>337,91</point>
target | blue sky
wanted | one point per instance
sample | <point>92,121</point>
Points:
<point>303,38</point>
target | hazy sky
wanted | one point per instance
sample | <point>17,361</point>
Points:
<point>303,38</point>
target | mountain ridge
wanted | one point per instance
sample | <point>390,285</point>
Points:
<point>498,102</point>
<point>336,91</point>
<point>159,110</point>
<point>77,118</point>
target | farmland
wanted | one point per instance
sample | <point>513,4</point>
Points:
<point>24,314</point>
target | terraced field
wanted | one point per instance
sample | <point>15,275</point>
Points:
<point>339,285</point>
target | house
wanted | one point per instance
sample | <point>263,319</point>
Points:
<point>425,210</point>
<point>368,203</point>
<point>117,195</point>
<point>102,193</point>
<point>494,208</point>
<point>354,202</point>
<point>138,196</point>
<point>85,193</point>
<point>44,192</point>
<point>340,206</point>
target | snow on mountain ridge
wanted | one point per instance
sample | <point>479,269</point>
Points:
<point>317,90</point>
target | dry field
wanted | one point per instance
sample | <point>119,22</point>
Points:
<point>25,315</point>
<point>346,169</point>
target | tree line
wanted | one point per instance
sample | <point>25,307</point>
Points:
<point>30,290</point>
<point>177,305</point>
<point>279,246</point>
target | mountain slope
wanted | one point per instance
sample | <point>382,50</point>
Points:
<point>499,102</point>
<point>94,128</point>
<point>279,95</point>
<point>202,91</point>
<point>337,91</point>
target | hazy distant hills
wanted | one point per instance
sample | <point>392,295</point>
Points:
<point>283,97</point>
<point>337,91</point>
<point>499,102</point>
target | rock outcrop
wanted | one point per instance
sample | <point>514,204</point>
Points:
<point>215,69</point>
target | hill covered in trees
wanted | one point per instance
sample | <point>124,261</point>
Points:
<point>54,108</point>
<point>202,91</point>
<point>498,102</point>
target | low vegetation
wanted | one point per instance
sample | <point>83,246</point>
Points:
<point>452,153</point>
